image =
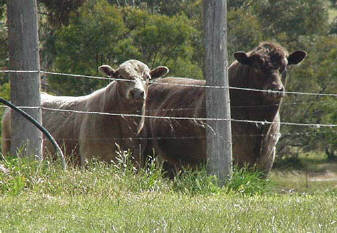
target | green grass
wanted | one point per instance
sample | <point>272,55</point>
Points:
<point>308,173</point>
<point>301,182</point>
<point>41,197</point>
<point>168,212</point>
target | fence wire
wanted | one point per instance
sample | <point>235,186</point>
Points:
<point>176,84</point>
<point>312,125</point>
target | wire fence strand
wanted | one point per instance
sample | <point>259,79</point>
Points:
<point>314,125</point>
<point>176,84</point>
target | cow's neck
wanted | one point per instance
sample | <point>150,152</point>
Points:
<point>116,102</point>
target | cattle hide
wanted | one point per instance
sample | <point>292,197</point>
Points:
<point>83,135</point>
<point>182,142</point>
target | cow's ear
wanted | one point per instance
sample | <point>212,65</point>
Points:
<point>242,57</point>
<point>296,57</point>
<point>106,69</point>
<point>159,72</point>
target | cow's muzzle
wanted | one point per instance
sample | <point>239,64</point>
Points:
<point>137,94</point>
<point>274,93</point>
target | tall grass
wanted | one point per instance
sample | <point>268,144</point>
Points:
<point>119,197</point>
<point>28,175</point>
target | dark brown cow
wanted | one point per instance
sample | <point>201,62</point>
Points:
<point>183,142</point>
<point>84,135</point>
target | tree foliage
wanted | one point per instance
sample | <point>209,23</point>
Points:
<point>286,20</point>
<point>59,11</point>
<point>105,34</point>
<point>318,74</point>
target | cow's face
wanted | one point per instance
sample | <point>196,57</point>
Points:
<point>136,75</point>
<point>268,68</point>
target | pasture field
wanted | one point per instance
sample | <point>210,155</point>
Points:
<point>37,197</point>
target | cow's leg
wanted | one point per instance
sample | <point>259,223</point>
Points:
<point>267,164</point>
<point>83,154</point>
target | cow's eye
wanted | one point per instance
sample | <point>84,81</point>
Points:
<point>117,76</point>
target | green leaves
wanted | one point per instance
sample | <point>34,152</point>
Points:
<point>317,74</point>
<point>104,34</point>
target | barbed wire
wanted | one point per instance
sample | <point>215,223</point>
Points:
<point>176,84</point>
<point>181,109</point>
<point>192,118</point>
<point>191,108</point>
<point>182,137</point>
<point>86,76</point>
<point>20,71</point>
<point>315,125</point>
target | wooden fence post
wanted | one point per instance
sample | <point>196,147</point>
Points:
<point>218,132</point>
<point>25,87</point>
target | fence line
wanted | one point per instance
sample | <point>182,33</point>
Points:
<point>182,109</point>
<point>232,106</point>
<point>188,109</point>
<point>187,118</point>
<point>177,84</point>
<point>180,137</point>
<point>315,125</point>
<point>191,118</point>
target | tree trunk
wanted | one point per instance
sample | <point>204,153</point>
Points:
<point>219,142</point>
<point>25,87</point>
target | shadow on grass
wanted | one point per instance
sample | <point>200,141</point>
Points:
<point>291,163</point>
<point>310,162</point>
<point>306,173</point>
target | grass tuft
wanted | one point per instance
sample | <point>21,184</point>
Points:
<point>247,182</point>
<point>121,176</point>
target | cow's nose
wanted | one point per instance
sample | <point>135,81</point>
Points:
<point>141,95</point>
<point>137,94</point>
<point>278,91</point>
<point>277,87</point>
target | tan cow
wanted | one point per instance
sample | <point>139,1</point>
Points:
<point>183,142</point>
<point>87,135</point>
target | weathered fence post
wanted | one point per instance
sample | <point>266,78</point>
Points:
<point>219,142</point>
<point>25,87</point>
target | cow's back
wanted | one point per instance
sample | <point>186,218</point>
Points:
<point>63,126</point>
<point>60,118</point>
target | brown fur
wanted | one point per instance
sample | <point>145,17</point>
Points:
<point>84,136</point>
<point>183,142</point>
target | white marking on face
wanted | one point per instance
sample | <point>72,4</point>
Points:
<point>140,84</point>
<point>285,60</point>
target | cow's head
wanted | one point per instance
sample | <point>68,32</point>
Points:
<point>133,77</point>
<point>268,65</point>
